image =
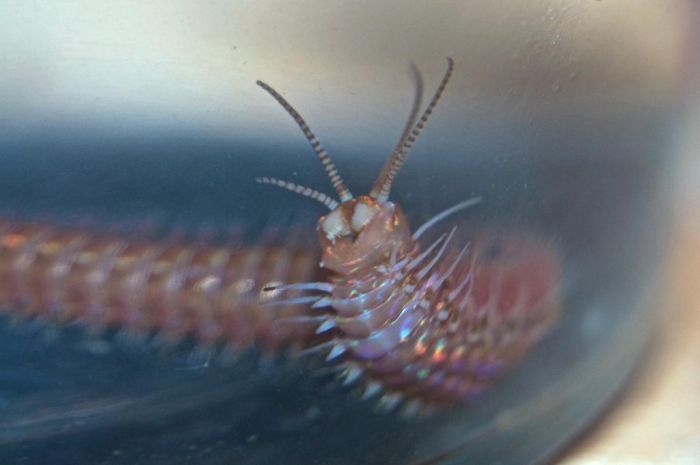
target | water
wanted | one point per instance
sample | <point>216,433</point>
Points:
<point>557,157</point>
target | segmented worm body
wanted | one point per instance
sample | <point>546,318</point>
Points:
<point>420,322</point>
<point>176,289</point>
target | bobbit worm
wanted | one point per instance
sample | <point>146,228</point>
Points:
<point>418,323</point>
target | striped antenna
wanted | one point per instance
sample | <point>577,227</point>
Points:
<point>296,188</point>
<point>382,186</point>
<point>415,108</point>
<point>340,187</point>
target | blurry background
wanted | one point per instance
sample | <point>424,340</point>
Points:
<point>193,65</point>
<point>566,116</point>
<point>654,420</point>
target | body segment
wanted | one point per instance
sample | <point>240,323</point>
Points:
<point>176,289</point>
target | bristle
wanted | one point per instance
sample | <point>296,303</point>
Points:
<point>315,349</point>
<point>416,261</point>
<point>427,268</point>
<point>445,214</point>
<point>327,325</point>
<point>411,409</point>
<point>337,350</point>
<point>389,402</point>
<point>371,389</point>
<point>351,374</point>
<point>229,355</point>
<point>200,357</point>
<point>133,338</point>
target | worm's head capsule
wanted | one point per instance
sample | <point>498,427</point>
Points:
<point>361,233</point>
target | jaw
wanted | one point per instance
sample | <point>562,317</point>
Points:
<point>387,231</point>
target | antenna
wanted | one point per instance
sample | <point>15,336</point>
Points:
<point>415,108</point>
<point>299,189</point>
<point>382,186</point>
<point>340,187</point>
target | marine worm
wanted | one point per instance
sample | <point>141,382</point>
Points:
<point>417,324</point>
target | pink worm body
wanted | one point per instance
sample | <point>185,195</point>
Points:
<point>435,337</point>
<point>176,289</point>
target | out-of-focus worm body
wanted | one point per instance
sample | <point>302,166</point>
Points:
<point>175,289</point>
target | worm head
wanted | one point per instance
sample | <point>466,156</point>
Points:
<point>361,233</point>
